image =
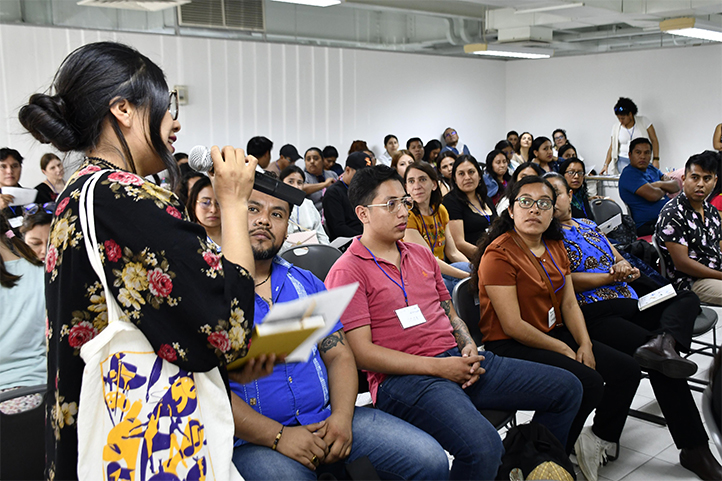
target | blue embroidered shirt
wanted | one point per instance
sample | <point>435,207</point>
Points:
<point>295,393</point>
<point>590,251</point>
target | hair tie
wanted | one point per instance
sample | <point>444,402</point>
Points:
<point>10,234</point>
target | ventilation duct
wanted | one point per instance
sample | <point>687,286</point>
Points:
<point>245,15</point>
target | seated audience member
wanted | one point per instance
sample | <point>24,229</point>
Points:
<point>358,146</point>
<point>541,154</point>
<point>428,221</point>
<point>416,146</point>
<point>574,172</point>
<point>181,159</point>
<point>497,175</point>
<point>317,178</point>
<point>522,148</point>
<point>717,137</point>
<point>401,160</point>
<point>304,217</point>
<point>301,421</point>
<point>22,322</point>
<point>11,167</point>
<point>715,197</point>
<point>689,232</point>
<point>513,138</point>
<point>567,151</point>
<point>431,151</point>
<point>341,220</point>
<point>391,145</point>
<point>524,170</point>
<point>444,163</point>
<point>451,137</point>
<point>186,184</point>
<point>330,155</point>
<point>559,136</point>
<point>36,229</point>
<point>421,362</point>
<point>52,168</point>
<point>288,155</point>
<point>260,147</point>
<point>529,311</point>
<point>470,209</point>
<point>505,147</point>
<point>610,307</point>
<point>204,209</point>
<point>643,187</point>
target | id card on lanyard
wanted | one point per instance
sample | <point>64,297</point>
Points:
<point>408,316</point>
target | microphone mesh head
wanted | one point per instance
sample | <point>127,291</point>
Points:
<point>200,159</point>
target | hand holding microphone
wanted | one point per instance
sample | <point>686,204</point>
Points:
<point>231,173</point>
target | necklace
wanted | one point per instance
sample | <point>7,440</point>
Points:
<point>264,281</point>
<point>97,158</point>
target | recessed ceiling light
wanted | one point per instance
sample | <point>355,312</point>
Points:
<point>497,51</point>
<point>691,27</point>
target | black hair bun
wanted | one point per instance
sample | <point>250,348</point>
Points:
<point>44,118</point>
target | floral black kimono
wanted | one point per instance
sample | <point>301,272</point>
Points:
<point>194,307</point>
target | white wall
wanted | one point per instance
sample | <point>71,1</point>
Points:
<point>307,96</point>
<point>679,90</point>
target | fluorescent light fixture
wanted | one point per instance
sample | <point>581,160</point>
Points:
<point>312,3</point>
<point>690,27</point>
<point>498,51</point>
<point>549,9</point>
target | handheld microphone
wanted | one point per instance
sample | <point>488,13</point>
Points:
<point>200,161</point>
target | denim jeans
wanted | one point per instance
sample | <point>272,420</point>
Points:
<point>451,282</point>
<point>397,450</point>
<point>451,414</point>
<point>622,163</point>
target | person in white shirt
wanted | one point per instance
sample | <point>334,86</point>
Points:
<point>631,126</point>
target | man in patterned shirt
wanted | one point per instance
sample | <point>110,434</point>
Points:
<point>689,232</point>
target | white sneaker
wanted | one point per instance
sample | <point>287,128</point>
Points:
<point>591,453</point>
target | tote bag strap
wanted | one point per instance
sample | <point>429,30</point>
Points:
<point>87,223</point>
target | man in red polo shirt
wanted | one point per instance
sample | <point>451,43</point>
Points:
<point>421,362</point>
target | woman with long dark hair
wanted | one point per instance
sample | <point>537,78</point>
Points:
<point>526,169</point>
<point>541,153</point>
<point>470,209</point>
<point>529,311</point>
<point>574,173</point>
<point>497,174</point>
<point>521,150</point>
<point>431,150</point>
<point>444,163</point>
<point>111,104</point>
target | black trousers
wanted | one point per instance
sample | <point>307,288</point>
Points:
<point>617,370</point>
<point>619,324</point>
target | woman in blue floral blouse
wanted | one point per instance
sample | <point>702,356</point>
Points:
<point>112,105</point>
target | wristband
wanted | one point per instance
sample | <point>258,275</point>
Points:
<point>655,158</point>
<point>278,438</point>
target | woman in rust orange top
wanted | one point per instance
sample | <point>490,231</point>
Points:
<point>529,311</point>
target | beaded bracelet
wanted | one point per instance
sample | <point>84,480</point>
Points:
<point>278,438</point>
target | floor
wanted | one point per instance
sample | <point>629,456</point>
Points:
<point>647,450</point>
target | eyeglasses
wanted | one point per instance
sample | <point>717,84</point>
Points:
<point>393,204</point>
<point>559,137</point>
<point>48,208</point>
<point>173,104</point>
<point>574,173</point>
<point>527,203</point>
<point>453,132</point>
<point>207,203</point>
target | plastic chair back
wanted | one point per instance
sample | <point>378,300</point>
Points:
<point>604,209</point>
<point>22,438</point>
<point>466,304</point>
<point>317,258</point>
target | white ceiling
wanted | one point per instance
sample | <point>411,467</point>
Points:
<point>437,27</point>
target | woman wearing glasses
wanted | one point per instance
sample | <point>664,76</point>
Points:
<point>631,126</point>
<point>203,209</point>
<point>529,310</point>
<point>111,104</point>
<point>428,223</point>
<point>573,171</point>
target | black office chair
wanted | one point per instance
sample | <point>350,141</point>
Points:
<point>466,304</point>
<point>604,209</point>
<point>317,258</point>
<point>22,438</point>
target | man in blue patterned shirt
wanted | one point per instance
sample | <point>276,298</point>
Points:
<point>301,420</point>
<point>689,231</point>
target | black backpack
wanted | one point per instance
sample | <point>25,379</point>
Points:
<point>532,452</point>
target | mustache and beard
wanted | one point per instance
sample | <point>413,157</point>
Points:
<point>269,253</point>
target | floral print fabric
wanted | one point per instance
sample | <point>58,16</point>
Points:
<point>679,223</point>
<point>193,306</point>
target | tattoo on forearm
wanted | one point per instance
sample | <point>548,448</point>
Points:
<point>446,306</point>
<point>330,341</point>
<point>461,333</point>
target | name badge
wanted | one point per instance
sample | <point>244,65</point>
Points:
<point>552,317</point>
<point>410,316</point>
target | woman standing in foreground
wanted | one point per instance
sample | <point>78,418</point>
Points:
<point>112,105</point>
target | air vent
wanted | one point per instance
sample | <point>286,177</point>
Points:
<point>144,5</point>
<point>227,14</point>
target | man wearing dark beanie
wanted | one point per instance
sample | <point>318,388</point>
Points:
<point>341,220</point>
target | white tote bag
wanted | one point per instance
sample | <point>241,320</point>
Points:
<point>140,416</point>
